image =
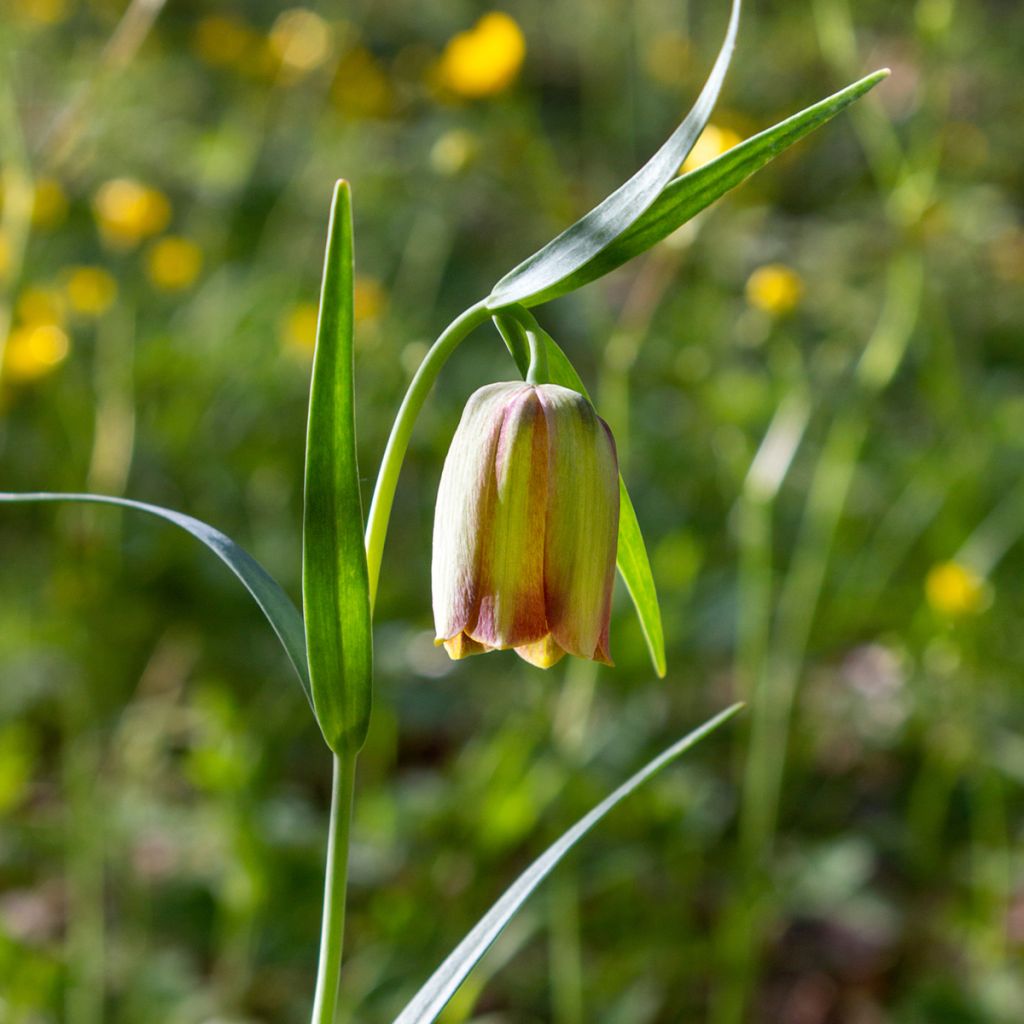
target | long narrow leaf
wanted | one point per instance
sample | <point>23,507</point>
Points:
<point>685,197</point>
<point>335,587</point>
<point>635,570</point>
<point>581,242</point>
<point>275,604</point>
<point>631,558</point>
<point>431,999</point>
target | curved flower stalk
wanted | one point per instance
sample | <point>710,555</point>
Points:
<point>526,526</point>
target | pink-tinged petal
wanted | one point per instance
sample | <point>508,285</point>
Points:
<point>512,604</point>
<point>544,653</point>
<point>465,498</point>
<point>582,522</point>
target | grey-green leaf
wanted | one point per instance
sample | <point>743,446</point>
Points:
<point>275,604</point>
<point>685,197</point>
<point>445,981</point>
<point>581,242</point>
<point>335,587</point>
<point>631,558</point>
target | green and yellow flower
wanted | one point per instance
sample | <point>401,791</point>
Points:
<point>526,527</point>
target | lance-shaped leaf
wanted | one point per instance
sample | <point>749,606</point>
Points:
<point>335,589</point>
<point>631,557</point>
<point>275,604</point>
<point>685,197</point>
<point>445,981</point>
<point>581,242</point>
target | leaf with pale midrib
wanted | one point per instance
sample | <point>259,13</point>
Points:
<point>445,981</point>
<point>581,242</point>
<point>335,587</point>
<point>275,604</point>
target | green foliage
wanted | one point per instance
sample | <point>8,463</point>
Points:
<point>580,243</point>
<point>335,591</point>
<point>445,981</point>
<point>682,199</point>
<point>275,604</point>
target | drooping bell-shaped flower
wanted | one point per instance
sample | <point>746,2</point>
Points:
<point>526,527</point>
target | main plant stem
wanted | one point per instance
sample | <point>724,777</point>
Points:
<point>332,932</point>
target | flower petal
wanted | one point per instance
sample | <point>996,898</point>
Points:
<point>582,522</point>
<point>512,607</point>
<point>461,517</point>
<point>544,653</point>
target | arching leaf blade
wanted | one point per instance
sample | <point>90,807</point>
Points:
<point>335,586</point>
<point>580,243</point>
<point>685,197</point>
<point>276,605</point>
<point>445,981</point>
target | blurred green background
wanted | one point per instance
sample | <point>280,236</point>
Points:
<point>818,394</point>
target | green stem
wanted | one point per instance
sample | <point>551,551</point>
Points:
<point>332,933</point>
<point>538,372</point>
<point>401,431</point>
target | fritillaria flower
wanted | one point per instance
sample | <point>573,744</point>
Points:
<point>526,527</point>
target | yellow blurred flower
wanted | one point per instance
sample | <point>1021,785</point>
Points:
<point>223,41</point>
<point>40,304</point>
<point>775,289</point>
<point>368,298</point>
<point>485,59</point>
<point>49,203</point>
<point>453,152</point>
<point>298,328</point>
<point>667,58</point>
<point>300,40</point>
<point>173,263</point>
<point>954,590</point>
<point>1006,254</point>
<point>361,88</point>
<point>5,255</point>
<point>42,12</point>
<point>713,142</point>
<point>90,291</point>
<point>34,350</point>
<point>128,211</point>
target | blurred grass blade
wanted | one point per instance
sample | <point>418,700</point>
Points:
<point>581,242</point>
<point>631,557</point>
<point>685,197</point>
<point>335,587</point>
<point>275,604</point>
<point>445,981</point>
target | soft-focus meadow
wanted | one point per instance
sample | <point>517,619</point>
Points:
<point>818,394</point>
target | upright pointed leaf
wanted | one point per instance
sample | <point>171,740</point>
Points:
<point>631,558</point>
<point>581,242</point>
<point>335,588</point>
<point>687,195</point>
<point>275,604</point>
<point>445,981</point>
